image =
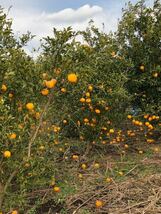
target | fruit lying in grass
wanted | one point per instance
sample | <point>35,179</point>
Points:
<point>75,157</point>
<point>84,166</point>
<point>30,106</point>
<point>72,78</point>
<point>98,203</point>
<point>7,154</point>
<point>56,189</point>
<point>108,180</point>
<point>96,165</point>
<point>120,173</point>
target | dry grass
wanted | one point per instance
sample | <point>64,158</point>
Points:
<point>133,195</point>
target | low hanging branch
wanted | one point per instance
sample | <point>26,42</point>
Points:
<point>39,125</point>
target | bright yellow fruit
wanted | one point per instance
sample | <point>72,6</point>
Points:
<point>63,90</point>
<point>98,204</point>
<point>83,166</point>
<point>56,189</point>
<point>82,100</point>
<point>97,111</point>
<point>30,106</point>
<point>142,68</point>
<point>72,78</point>
<point>7,154</point>
<point>4,88</point>
<point>13,136</point>
<point>14,212</point>
<point>45,92</point>
<point>51,83</point>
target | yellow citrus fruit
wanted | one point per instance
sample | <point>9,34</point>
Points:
<point>72,78</point>
<point>96,165</point>
<point>13,136</point>
<point>56,189</point>
<point>30,106</point>
<point>155,75</point>
<point>86,120</point>
<point>7,154</point>
<point>129,116</point>
<point>83,166</point>
<point>108,180</point>
<point>97,111</point>
<point>121,173</point>
<point>63,90</point>
<point>98,204</point>
<point>51,83</point>
<point>88,94</point>
<point>111,131</point>
<point>90,88</point>
<point>82,100</point>
<point>75,157</point>
<point>10,95</point>
<point>14,212</point>
<point>142,68</point>
<point>4,88</point>
<point>88,100</point>
<point>45,92</point>
<point>65,121</point>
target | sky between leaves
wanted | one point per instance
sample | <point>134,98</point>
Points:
<point>40,16</point>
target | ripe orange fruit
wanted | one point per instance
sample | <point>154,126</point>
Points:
<point>14,212</point>
<point>4,88</point>
<point>88,100</point>
<point>82,100</point>
<point>86,120</point>
<point>13,136</point>
<point>72,78</point>
<point>75,157</point>
<point>98,204</point>
<point>51,83</point>
<point>63,90</point>
<point>97,111</point>
<point>129,116</point>
<point>56,189</point>
<point>7,154</point>
<point>45,92</point>
<point>30,106</point>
